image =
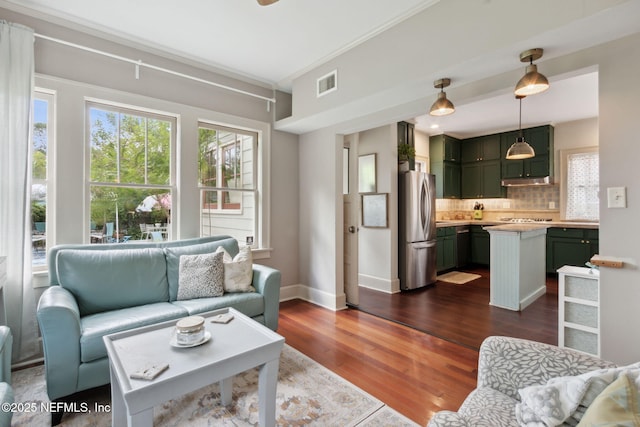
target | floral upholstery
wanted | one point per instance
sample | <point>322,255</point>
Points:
<point>506,365</point>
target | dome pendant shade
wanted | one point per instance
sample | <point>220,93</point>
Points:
<point>520,150</point>
<point>531,83</point>
<point>442,106</point>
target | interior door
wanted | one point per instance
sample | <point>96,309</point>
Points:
<point>351,208</point>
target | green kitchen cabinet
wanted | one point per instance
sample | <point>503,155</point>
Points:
<point>541,165</point>
<point>445,248</point>
<point>480,148</point>
<point>481,180</point>
<point>570,246</point>
<point>444,148</point>
<point>444,154</point>
<point>406,132</point>
<point>480,245</point>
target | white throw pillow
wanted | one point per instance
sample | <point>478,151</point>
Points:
<point>238,271</point>
<point>201,276</point>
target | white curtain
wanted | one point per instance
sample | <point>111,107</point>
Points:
<point>16,87</point>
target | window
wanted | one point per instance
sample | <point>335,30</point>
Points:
<point>131,173</point>
<point>227,181</point>
<point>41,144</point>
<point>582,184</point>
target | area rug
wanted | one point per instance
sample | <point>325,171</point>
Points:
<point>308,394</point>
<point>458,277</point>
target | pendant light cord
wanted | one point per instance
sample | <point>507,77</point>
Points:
<point>520,118</point>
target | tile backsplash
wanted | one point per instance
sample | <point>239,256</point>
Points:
<point>519,201</point>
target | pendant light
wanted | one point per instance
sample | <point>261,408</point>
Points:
<point>520,149</point>
<point>442,106</point>
<point>533,82</point>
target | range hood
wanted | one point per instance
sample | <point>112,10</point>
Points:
<point>522,182</point>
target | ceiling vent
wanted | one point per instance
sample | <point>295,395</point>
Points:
<point>327,83</point>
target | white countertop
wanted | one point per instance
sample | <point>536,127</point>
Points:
<point>564,224</point>
<point>517,227</point>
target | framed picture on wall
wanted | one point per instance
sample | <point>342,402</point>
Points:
<point>374,210</point>
<point>367,173</point>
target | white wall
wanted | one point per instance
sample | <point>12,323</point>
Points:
<point>378,247</point>
<point>77,74</point>
<point>619,154</point>
<point>570,135</point>
<point>618,63</point>
<point>398,66</point>
<point>321,218</point>
<point>422,145</point>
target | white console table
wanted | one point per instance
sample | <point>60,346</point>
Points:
<point>579,309</point>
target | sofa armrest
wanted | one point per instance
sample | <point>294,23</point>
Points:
<point>59,321</point>
<point>266,280</point>
<point>6,346</point>
<point>508,364</point>
<point>447,419</point>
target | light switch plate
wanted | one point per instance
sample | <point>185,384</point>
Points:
<point>616,197</point>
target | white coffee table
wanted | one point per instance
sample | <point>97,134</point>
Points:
<point>235,347</point>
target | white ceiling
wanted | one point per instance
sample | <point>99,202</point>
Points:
<point>272,44</point>
<point>277,43</point>
<point>566,100</point>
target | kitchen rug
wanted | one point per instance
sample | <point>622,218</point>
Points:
<point>458,277</point>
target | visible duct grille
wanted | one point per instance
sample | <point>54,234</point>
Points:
<point>327,83</point>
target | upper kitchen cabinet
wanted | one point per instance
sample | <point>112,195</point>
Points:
<point>481,168</point>
<point>481,180</point>
<point>444,148</point>
<point>541,139</point>
<point>444,157</point>
<point>406,133</point>
<point>480,149</point>
<point>406,136</point>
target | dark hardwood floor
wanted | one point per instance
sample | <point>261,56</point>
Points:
<point>414,372</point>
<point>462,314</point>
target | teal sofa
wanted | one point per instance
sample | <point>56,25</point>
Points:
<point>100,289</point>
<point>6,392</point>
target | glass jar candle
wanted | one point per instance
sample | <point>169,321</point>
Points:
<point>190,330</point>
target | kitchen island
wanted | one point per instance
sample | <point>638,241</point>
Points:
<point>517,264</point>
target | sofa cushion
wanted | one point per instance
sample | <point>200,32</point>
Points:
<point>95,326</point>
<point>201,276</point>
<point>173,255</point>
<point>248,303</point>
<point>238,270</point>
<point>616,405</point>
<point>110,280</point>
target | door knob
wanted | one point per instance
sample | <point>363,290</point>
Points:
<point>352,229</point>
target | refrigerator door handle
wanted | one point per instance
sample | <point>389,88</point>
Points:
<point>424,215</point>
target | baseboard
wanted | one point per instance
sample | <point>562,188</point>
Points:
<point>532,297</point>
<point>314,296</point>
<point>390,286</point>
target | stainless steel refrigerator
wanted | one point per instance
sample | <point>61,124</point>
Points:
<point>416,229</point>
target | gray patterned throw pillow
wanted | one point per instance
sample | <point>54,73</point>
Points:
<point>201,276</point>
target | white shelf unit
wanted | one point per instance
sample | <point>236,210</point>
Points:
<point>579,309</point>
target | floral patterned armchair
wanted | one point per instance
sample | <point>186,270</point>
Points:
<point>506,365</point>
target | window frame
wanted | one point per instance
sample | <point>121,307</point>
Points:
<point>134,110</point>
<point>257,180</point>
<point>564,161</point>
<point>49,96</point>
